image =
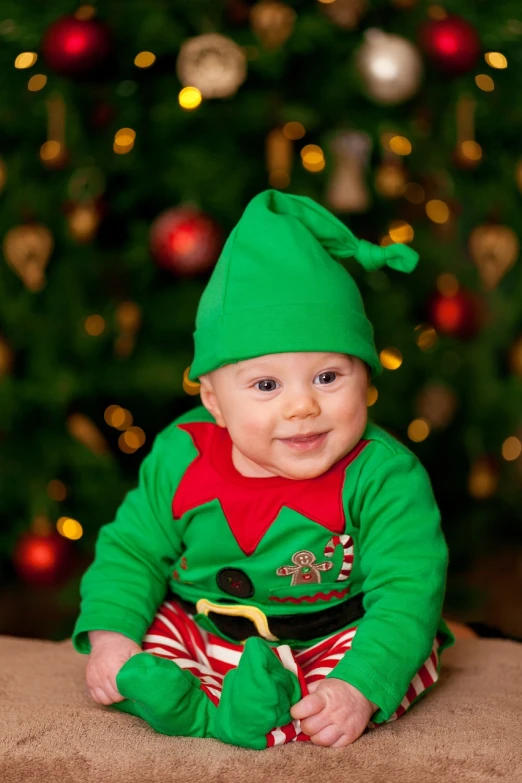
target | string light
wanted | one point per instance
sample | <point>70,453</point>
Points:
<point>85,12</point>
<point>438,211</point>
<point>118,417</point>
<point>484,82</point>
<point>371,396</point>
<point>425,336</point>
<point>482,481</point>
<point>50,150</point>
<point>294,130</point>
<point>56,490</point>
<point>69,528</point>
<point>94,325</point>
<point>414,193</point>
<point>37,82</point>
<point>124,140</point>
<point>511,449</point>
<point>189,98</point>
<point>131,440</point>
<point>312,158</point>
<point>437,12</point>
<point>190,387</point>
<point>400,145</point>
<point>447,284</point>
<point>418,430</point>
<point>144,59</point>
<point>25,60</point>
<point>401,232</point>
<point>496,60</point>
<point>391,358</point>
<point>471,150</point>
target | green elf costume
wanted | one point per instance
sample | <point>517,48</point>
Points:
<point>245,590</point>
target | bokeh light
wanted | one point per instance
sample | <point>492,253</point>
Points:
<point>496,60</point>
<point>418,430</point>
<point>94,325</point>
<point>294,130</point>
<point>69,528</point>
<point>144,59</point>
<point>438,211</point>
<point>189,98</point>
<point>391,358</point>
<point>26,60</point>
<point>511,449</point>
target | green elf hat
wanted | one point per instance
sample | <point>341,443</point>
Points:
<point>278,286</point>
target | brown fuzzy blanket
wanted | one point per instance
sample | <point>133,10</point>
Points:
<point>468,729</point>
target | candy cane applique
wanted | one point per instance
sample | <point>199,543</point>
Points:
<point>347,544</point>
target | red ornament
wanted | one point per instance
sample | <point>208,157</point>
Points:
<point>458,315</point>
<point>185,241</point>
<point>451,43</point>
<point>43,559</point>
<point>74,47</point>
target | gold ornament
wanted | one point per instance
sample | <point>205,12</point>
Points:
<point>345,13</point>
<point>390,66</point>
<point>27,250</point>
<point>390,179</point>
<point>279,153</point>
<point>6,357</point>
<point>212,63</point>
<point>87,433</point>
<point>83,222</point>
<point>272,22</point>
<point>190,387</point>
<point>128,317</point>
<point>347,191</point>
<point>515,357</point>
<point>494,250</point>
<point>483,479</point>
<point>437,404</point>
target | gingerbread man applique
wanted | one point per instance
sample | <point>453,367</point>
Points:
<point>305,570</point>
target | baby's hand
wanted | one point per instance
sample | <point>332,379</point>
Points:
<point>109,651</point>
<point>334,713</point>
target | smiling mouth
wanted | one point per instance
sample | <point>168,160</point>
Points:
<point>304,438</point>
<point>305,443</point>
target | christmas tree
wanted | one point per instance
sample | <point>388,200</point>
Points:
<point>134,134</point>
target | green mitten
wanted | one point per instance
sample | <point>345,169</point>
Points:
<point>166,696</point>
<point>256,697</point>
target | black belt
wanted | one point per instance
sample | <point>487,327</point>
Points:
<point>301,627</point>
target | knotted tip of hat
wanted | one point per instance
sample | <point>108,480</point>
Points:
<point>396,256</point>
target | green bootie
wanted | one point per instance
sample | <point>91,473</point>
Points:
<point>256,697</point>
<point>166,696</point>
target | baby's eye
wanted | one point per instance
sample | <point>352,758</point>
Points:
<point>327,375</point>
<point>264,383</point>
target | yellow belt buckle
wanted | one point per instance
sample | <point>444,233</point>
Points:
<point>203,606</point>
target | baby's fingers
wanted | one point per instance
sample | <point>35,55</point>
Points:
<point>99,696</point>
<point>310,705</point>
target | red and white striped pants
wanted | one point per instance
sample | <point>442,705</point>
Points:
<point>174,634</point>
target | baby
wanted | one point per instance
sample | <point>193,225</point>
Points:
<point>279,572</point>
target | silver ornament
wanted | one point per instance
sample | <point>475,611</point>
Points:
<point>212,63</point>
<point>390,66</point>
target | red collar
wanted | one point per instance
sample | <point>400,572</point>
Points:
<point>251,504</point>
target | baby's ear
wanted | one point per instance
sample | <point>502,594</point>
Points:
<point>209,399</point>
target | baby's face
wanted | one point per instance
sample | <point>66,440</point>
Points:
<point>264,401</point>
